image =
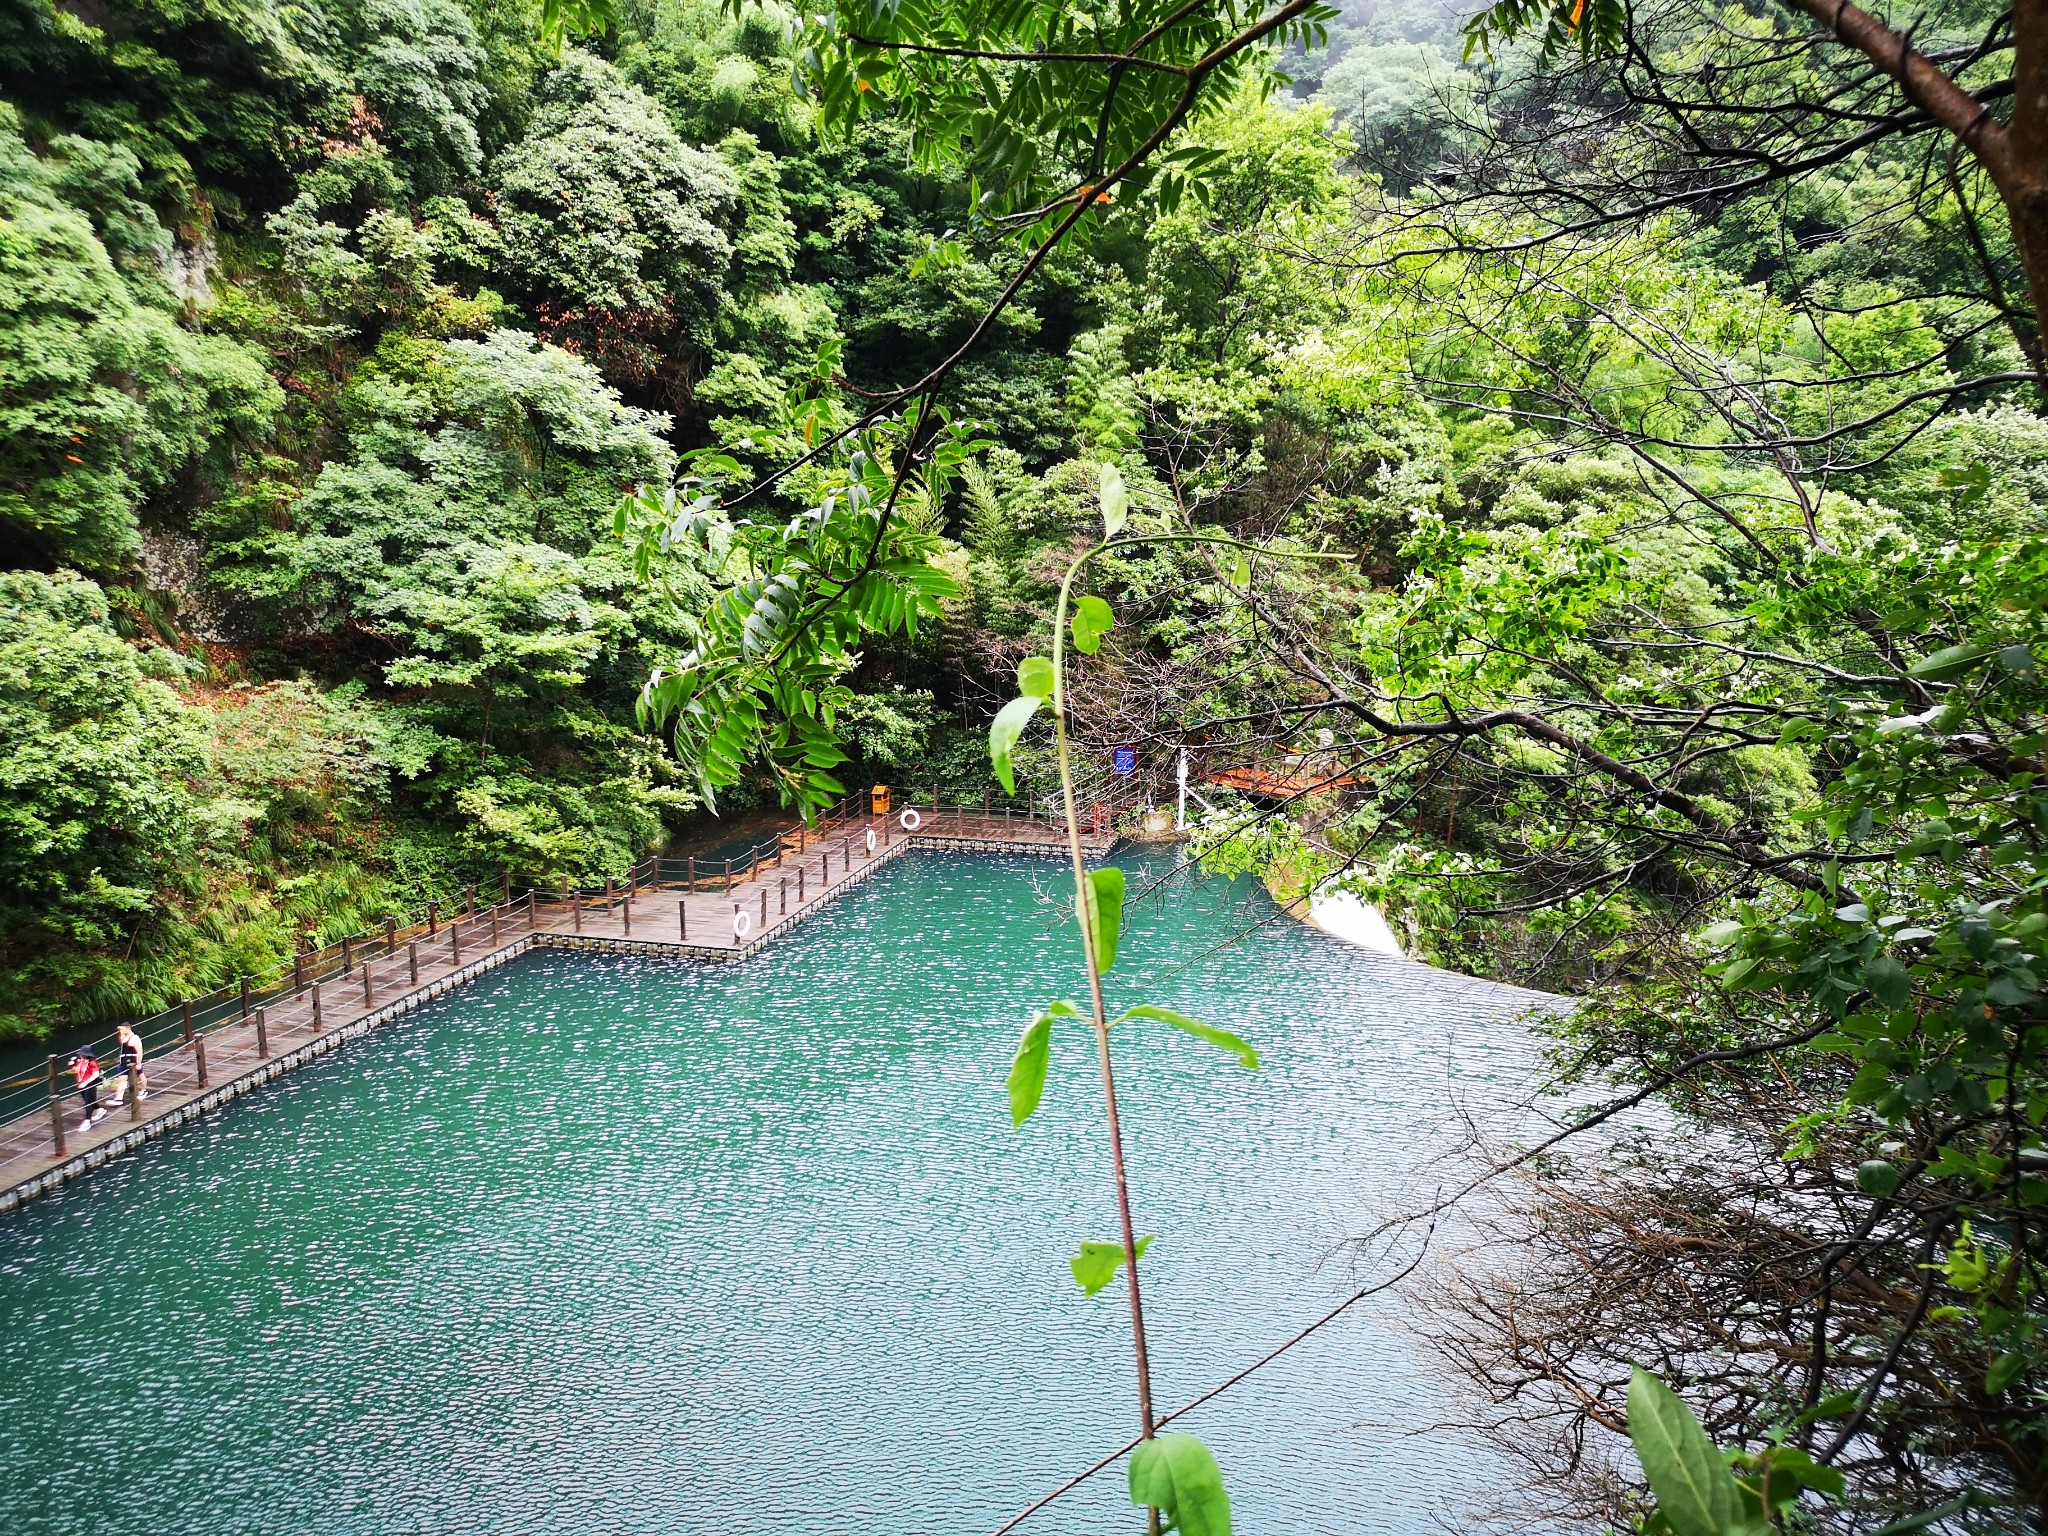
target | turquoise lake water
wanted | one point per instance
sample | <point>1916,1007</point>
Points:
<point>601,1245</point>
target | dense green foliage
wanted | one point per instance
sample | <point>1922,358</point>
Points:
<point>432,445</point>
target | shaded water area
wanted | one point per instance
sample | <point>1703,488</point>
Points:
<point>602,1245</point>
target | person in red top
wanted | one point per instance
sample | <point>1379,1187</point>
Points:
<point>85,1072</point>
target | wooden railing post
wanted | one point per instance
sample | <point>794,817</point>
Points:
<point>185,1012</point>
<point>693,874</point>
<point>764,909</point>
<point>494,925</point>
<point>347,959</point>
<point>199,1057</point>
<point>263,1034</point>
<point>799,885</point>
<point>626,911</point>
<point>245,997</point>
<point>469,900</point>
<point>390,935</point>
<point>728,874</point>
<point>433,919</point>
<point>682,918</point>
<point>455,942</point>
<point>133,1072</point>
<point>299,972</point>
<point>368,997</point>
<point>412,960</point>
<point>316,1008</point>
<point>57,1106</point>
<point>576,912</point>
<point>785,896</point>
<point>607,895</point>
<point>507,876</point>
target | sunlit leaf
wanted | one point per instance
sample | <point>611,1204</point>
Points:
<point>1026,1082</point>
<point>1102,916</point>
<point>1035,677</point>
<point>1097,1263</point>
<point>1003,732</point>
<point>1696,1493</point>
<point>1222,1039</point>
<point>1092,620</point>
<point>1116,503</point>
<point>1176,1475</point>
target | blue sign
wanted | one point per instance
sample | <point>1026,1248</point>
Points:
<point>1126,759</point>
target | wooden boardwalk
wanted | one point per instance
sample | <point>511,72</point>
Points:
<point>657,915</point>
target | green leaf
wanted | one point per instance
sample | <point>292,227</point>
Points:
<point>1092,620</point>
<point>1104,893</point>
<point>1950,663</point>
<point>1720,935</point>
<point>1176,1475</point>
<point>1243,574</point>
<point>1739,972</point>
<point>1222,1039</point>
<point>1877,1177</point>
<point>1116,503</point>
<point>1930,1517</point>
<point>1695,1490</point>
<point>2005,1370</point>
<point>1034,677</point>
<point>1097,1263</point>
<point>1889,982</point>
<point>1027,1069</point>
<point>1003,732</point>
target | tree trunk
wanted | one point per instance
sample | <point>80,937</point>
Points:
<point>2014,153</point>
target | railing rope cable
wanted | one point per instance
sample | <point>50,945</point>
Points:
<point>240,1000</point>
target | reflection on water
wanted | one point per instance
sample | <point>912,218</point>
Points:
<point>600,1246</point>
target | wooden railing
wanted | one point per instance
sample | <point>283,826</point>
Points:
<point>188,1022</point>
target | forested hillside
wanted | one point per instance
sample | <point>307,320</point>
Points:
<point>332,337</point>
<point>436,442</point>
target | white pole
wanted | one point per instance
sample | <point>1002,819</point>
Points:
<point>1180,812</point>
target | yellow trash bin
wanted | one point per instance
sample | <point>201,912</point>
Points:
<point>881,800</point>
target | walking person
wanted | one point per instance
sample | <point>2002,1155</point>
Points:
<point>86,1074</point>
<point>129,1044</point>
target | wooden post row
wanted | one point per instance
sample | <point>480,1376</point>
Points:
<point>56,1106</point>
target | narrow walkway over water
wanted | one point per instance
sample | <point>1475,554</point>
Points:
<point>669,908</point>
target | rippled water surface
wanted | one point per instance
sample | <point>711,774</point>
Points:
<point>600,1245</point>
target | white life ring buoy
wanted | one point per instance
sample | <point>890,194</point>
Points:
<point>911,820</point>
<point>742,922</point>
<point>871,839</point>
